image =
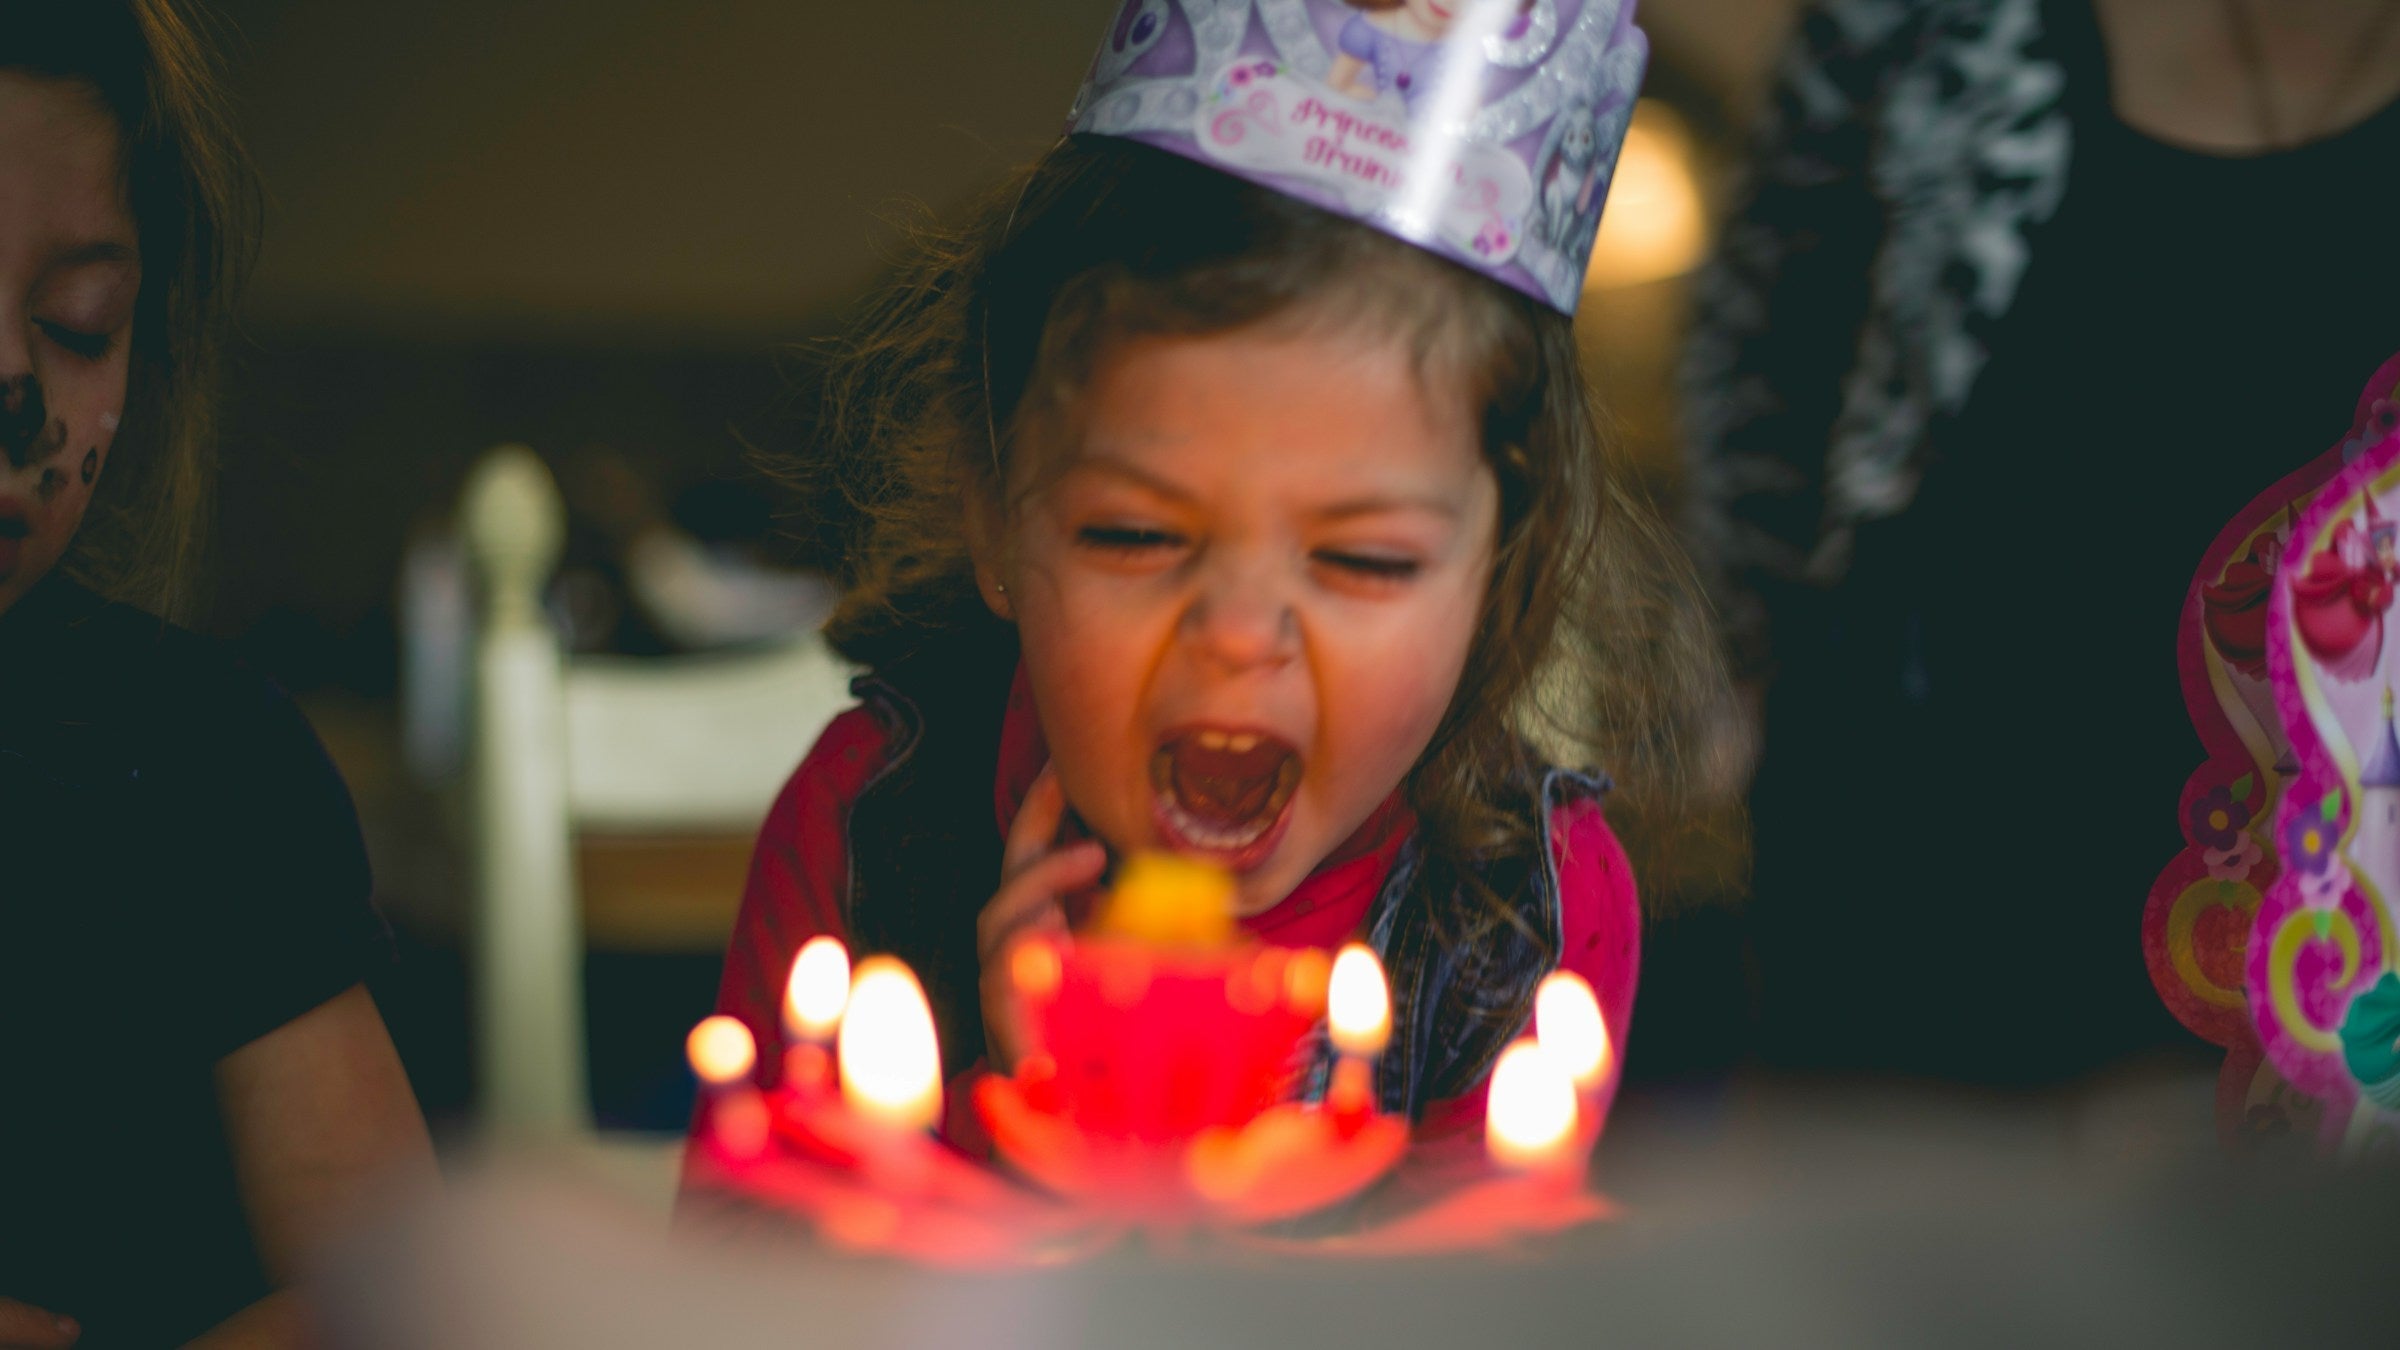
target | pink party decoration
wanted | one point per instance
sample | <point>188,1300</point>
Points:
<point>2273,932</point>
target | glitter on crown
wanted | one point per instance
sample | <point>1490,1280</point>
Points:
<point>1485,131</point>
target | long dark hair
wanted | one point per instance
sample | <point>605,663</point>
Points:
<point>1590,646</point>
<point>194,201</point>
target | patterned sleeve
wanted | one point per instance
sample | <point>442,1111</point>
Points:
<point>1778,312</point>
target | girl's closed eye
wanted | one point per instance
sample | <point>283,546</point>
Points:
<point>1370,564</point>
<point>77,342</point>
<point>1127,540</point>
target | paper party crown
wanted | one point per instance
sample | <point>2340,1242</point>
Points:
<point>1484,131</point>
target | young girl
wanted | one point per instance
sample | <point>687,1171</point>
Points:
<point>198,1083</point>
<point>1193,517</point>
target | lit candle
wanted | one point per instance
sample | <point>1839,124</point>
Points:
<point>722,1053</point>
<point>1358,1014</point>
<point>1530,1120</point>
<point>891,1065</point>
<point>813,1000</point>
<point>1566,1019</point>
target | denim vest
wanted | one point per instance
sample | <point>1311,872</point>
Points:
<point>924,858</point>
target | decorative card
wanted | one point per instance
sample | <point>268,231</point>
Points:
<point>2237,955</point>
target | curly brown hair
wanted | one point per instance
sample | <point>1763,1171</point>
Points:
<point>1591,647</point>
<point>194,200</point>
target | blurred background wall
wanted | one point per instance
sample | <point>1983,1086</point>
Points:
<point>608,229</point>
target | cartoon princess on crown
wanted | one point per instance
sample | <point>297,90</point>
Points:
<point>1396,45</point>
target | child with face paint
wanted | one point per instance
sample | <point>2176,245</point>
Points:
<point>200,1083</point>
<point>1198,518</point>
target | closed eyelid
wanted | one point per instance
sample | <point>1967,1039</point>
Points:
<point>99,251</point>
<point>93,298</point>
<point>91,346</point>
<point>1390,566</point>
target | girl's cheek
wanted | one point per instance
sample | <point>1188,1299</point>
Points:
<point>95,451</point>
<point>67,480</point>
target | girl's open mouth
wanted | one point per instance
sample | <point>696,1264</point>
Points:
<point>1224,794</point>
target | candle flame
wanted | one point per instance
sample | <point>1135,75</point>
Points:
<point>818,991</point>
<point>891,1065</point>
<point>1531,1120</point>
<point>721,1050</point>
<point>1566,1018</point>
<point>1358,1003</point>
<point>1657,220</point>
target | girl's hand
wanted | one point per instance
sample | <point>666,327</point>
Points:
<point>26,1327</point>
<point>1035,875</point>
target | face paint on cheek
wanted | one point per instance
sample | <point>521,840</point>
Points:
<point>91,465</point>
<point>47,489</point>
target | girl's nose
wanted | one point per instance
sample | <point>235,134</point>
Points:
<point>1241,616</point>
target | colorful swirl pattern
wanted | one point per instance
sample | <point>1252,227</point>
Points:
<point>2183,926</point>
<point>2300,932</point>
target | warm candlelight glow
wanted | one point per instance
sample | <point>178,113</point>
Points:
<point>890,1064</point>
<point>1036,969</point>
<point>1656,224</point>
<point>1566,1017</point>
<point>1358,1003</point>
<point>1304,977</point>
<point>1531,1120</point>
<point>721,1050</point>
<point>818,990</point>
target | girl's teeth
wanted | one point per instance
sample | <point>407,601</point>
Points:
<point>1208,836</point>
<point>1214,740</point>
<point>1241,744</point>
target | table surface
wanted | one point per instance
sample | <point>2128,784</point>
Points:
<point>1762,1213</point>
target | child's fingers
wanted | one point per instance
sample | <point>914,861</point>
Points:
<point>1035,829</point>
<point>1035,875</point>
<point>1031,898</point>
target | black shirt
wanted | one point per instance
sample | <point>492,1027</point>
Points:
<point>181,872</point>
<point>1976,741</point>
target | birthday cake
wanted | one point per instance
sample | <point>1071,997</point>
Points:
<point>1164,1095</point>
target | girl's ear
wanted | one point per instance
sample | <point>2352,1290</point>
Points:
<point>983,545</point>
